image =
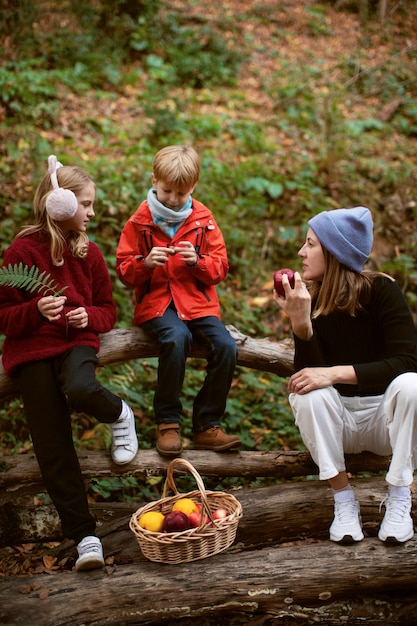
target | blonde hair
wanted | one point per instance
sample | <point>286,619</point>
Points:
<point>341,289</point>
<point>69,177</point>
<point>179,166</point>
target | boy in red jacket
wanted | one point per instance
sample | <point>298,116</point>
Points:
<point>173,253</point>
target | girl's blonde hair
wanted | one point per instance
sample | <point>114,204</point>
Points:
<point>341,289</point>
<point>179,166</point>
<point>69,177</point>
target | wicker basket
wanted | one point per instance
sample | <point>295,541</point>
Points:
<point>196,543</point>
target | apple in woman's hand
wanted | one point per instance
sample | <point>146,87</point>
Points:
<point>278,280</point>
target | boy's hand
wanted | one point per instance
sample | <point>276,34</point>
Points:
<point>158,256</point>
<point>187,252</point>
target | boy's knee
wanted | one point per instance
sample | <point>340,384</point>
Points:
<point>226,351</point>
<point>180,338</point>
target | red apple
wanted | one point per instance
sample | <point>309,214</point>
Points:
<point>196,518</point>
<point>176,521</point>
<point>219,514</point>
<point>278,280</point>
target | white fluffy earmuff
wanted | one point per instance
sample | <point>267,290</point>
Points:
<point>61,204</point>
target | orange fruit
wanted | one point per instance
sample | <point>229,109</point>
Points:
<point>152,520</point>
<point>185,505</point>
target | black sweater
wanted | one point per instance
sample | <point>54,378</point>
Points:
<point>380,342</point>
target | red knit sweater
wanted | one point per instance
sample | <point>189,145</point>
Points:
<point>29,336</point>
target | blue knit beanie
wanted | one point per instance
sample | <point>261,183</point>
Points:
<point>346,233</point>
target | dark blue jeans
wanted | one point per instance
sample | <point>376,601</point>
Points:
<point>50,389</point>
<point>175,338</point>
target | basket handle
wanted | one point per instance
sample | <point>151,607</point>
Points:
<point>170,482</point>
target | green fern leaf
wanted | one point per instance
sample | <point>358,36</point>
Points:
<point>22,277</point>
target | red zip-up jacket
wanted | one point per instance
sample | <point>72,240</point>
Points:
<point>192,289</point>
<point>31,337</point>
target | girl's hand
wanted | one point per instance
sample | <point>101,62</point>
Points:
<point>78,318</point>
<point>51,307</point>
<point>187,252</point>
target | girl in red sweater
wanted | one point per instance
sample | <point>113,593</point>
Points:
<point>52,341</point>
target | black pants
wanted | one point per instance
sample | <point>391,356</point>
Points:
<point>50,389</point>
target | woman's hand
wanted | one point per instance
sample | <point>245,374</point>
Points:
<point>51,307</point>
<point>78,318</point>
<point>310,378</point>
<point>297,305</point>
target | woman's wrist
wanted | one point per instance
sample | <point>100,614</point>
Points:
<point>303,331</point>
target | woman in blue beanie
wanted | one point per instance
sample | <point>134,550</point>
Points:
<point>355,386</point>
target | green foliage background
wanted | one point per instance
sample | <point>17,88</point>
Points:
<point>108,83</point>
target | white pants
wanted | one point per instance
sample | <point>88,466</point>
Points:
<point>332,425</point>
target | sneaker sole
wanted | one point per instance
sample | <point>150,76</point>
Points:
<point>347,539</point>
<point>90,563</point>
<point>169,452</point>
<point>393,541</point>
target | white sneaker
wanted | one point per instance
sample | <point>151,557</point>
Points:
<point>347,524</point>
<point>125,442</point>
<point>90,554</point>
<point>397,525</point>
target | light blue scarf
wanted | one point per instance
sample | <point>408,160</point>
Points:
<point>168,220</point>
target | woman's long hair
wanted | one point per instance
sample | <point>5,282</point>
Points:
<point>69,177</point>
<point>341,289</point>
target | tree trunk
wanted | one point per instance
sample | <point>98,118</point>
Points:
<point>279,513</point>
<point>20,474</point>
<point>281,566</point>
<point>123,344</point>
<point>278,580</point>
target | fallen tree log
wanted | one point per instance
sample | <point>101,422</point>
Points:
<point>259,574</point>
<point>124,344</point>
<point>274,514</point>
<point>270,580</point>
<point>20,473</point>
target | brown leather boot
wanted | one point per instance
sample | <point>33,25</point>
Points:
<point>214,438</point>
<point>168,440</point>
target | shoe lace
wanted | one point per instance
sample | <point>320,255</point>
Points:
<point>345,511</point>
<point>396,508</point>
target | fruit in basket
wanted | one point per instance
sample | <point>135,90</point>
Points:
<point>176,521</point>
<point>219,513</point>
<point>279,288</point>
<point>152,520</point>
<point>196,517</point>
<point>185,505</point>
